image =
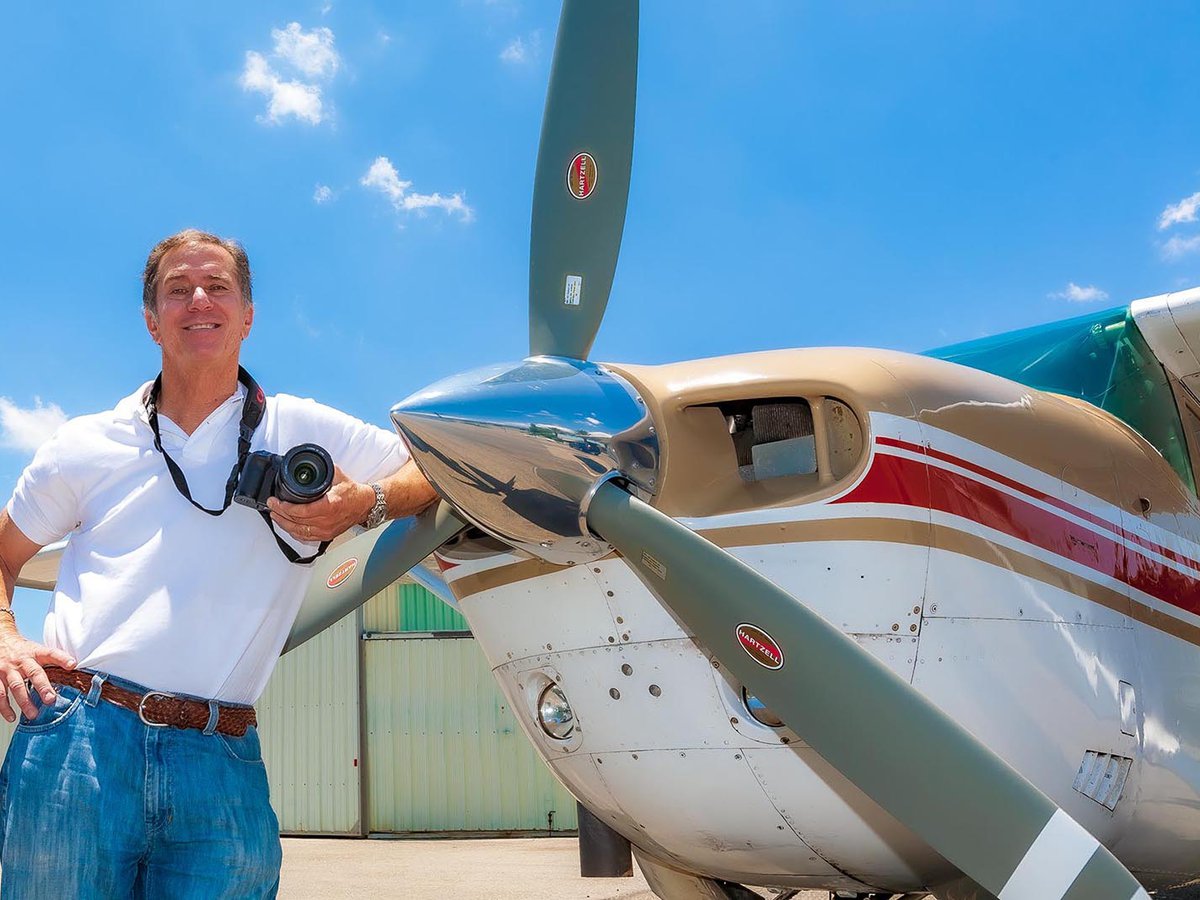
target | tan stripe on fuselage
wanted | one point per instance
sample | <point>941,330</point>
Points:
<point>888,531</point>
<point>500,576</point>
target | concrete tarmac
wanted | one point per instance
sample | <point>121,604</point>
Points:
<point>492,868</point>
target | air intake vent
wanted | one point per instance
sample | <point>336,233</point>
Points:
<point>772,438</point>
<point>1101,777</point>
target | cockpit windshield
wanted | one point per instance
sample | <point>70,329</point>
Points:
<point>1101,358</point>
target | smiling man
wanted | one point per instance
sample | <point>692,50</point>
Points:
<point>135,770</point>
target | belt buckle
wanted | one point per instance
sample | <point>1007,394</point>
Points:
<point>141,710</point>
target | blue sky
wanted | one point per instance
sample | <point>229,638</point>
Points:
<point>896,174</point>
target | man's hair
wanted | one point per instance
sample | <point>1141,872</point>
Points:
<point>241,263</point>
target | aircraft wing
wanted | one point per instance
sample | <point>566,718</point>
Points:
<point>1171,325</point>
<point>41,572</point>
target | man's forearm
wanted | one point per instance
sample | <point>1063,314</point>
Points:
<point>406,492</point>
<point>349,503</point>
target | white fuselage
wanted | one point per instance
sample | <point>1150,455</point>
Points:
<point>987,589</point>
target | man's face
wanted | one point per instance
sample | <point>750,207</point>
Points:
<point>201,318</point>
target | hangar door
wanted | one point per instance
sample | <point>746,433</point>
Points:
<point>444,753</point>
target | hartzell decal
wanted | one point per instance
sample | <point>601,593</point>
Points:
<point>341,573</point>
<point>581,176</point>
<point>760,645</point>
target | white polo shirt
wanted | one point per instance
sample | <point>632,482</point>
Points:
<point>152,589</point>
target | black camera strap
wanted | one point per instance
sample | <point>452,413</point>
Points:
<point>254,406</point>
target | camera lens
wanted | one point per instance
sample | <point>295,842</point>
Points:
<point>306,474</point>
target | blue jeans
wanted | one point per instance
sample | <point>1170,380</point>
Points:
<point>96,804</point>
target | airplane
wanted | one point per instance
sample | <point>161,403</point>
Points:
<point>877,623</point>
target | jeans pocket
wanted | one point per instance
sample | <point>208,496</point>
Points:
<point>245,748</point>
<point>51,715</point>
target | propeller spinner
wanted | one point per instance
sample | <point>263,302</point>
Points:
<point>556,455</point>
<point>520,449</point>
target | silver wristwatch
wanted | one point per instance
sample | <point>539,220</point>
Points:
<point>379,511</point>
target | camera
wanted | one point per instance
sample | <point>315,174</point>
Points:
<point>302,475</point>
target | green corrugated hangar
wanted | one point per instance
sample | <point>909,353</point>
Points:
<point>390,723</point>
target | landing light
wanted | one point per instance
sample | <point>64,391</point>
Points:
<point>554,713</point>
<point>759,712</point>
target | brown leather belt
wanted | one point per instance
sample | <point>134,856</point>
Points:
<point>159,708</point>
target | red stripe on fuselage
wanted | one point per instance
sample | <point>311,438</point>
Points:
<point>1049,499</point>
<point>909,482</point>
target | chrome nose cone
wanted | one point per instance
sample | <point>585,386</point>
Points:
<point>516,448</point>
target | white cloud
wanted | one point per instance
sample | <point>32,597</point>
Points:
<point>1178,247</point>
<point>285,98</point>
<point>28,429</point>
<point>1183,211</point>
<point>326,9</point>
<point>310,52</point>
<point>1077,294</point>
<point>383,177</point>
<point>323,194</point>
<point>523,50</point>
<point>515,52</point>
<point>307,53</point>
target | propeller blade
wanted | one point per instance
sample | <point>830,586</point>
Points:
<point>353,572</point>
<point>948,788</point>
<point>582,180</point>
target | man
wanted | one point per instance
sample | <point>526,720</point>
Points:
<point>116,784</point>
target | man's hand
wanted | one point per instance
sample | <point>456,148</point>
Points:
<point>21,660</point>
<point>346,504</point>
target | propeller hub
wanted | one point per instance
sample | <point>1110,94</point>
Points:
<point>517,448</point>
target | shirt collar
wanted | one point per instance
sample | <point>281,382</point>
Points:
<point>133,407</point>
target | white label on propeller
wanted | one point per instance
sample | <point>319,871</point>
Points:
<point>573,291</point>
<point>654,565</point>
